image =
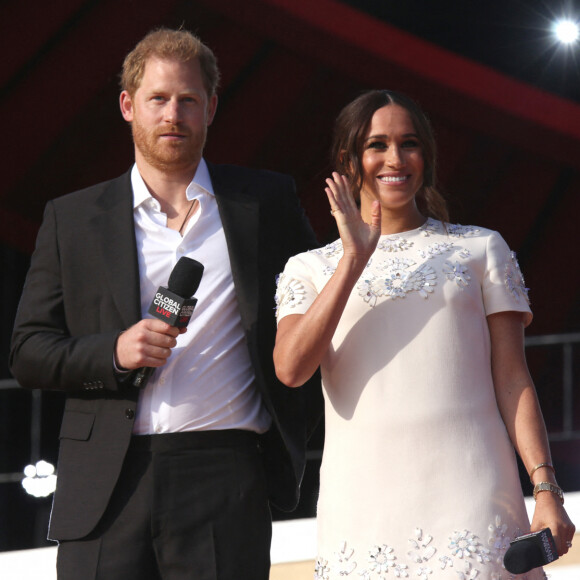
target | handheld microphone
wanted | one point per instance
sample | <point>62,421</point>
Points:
<point>530,551</point>
<point>174,304</point>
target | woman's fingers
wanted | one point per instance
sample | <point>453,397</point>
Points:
<point>376,215</point>
<point>340,196</point>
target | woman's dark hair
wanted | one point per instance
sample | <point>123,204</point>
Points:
<point>351,128</point>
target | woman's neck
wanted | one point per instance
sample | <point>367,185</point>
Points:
<point>395,221</point>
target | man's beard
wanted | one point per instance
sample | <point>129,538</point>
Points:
<point>169,155</point>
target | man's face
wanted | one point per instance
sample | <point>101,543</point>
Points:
<point>169,115</point>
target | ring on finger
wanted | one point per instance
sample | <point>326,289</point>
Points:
<point>569,543</point>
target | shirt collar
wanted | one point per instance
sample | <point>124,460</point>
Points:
<point>201,183</point>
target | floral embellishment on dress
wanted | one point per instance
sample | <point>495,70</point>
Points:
<point>469,572</point>
<point>422,280</point>
<point>394,244</point>
<point>421,550</point>
<point>400,570</point>
<point>289,292</point>
<point>459,231</point>
<point>343,558</point>
<point>394,284</point>
<point>430,227</point>
<point>365,290</point>
<point>381,558</point>
<point>397,281</point>
<point>464,253</point>
<point>463,544</point>
<point>466,545</point>
<point>330,250</point>
<point>435,249</point>
<point>456,272</point>
<point>466,558</point>
<point>514,279</point>
<point>321,570</point>
<point>499,541</point>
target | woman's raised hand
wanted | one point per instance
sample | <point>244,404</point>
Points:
<point>359,239</point>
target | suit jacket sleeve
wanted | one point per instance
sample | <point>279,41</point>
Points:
<point>67,323</point>
<point>82,288</point>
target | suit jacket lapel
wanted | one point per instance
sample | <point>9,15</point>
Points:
<point>114,228</point>
<point>239,213</point>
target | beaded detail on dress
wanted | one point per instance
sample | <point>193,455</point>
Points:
<point>386,277</point>
<point>293,293</point>
<point>514,279</point>
<point>460,556</point>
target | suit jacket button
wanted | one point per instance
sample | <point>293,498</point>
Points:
<point>129,413</point>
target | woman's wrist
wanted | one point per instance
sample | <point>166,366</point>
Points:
<point>543,472</point>
<point>543,487</point>
<point>352,265</point>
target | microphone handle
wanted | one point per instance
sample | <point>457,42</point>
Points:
<point>142,376</point>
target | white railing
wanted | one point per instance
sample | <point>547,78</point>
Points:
<point>566,342</point>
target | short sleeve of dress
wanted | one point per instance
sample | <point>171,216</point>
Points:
<point>504,288</point>
<point>296,289</point>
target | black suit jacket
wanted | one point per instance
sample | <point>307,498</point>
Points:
<point>83,289</point>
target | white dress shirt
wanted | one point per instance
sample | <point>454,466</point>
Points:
<point>207,382</point>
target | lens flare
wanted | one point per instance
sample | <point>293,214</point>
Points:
<point>566,31</point>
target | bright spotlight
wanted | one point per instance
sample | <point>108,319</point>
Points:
<point>566,31</point>
<point>39,480</point>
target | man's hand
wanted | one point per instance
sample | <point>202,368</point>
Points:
<point>146,344</point>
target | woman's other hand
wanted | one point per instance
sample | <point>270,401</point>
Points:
<point>550,513</point>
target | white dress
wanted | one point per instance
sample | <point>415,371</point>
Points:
<point>418,478</point>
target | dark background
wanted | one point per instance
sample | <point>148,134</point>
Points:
<point>502,95</point>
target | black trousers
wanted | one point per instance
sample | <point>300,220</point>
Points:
<point>188,506</point>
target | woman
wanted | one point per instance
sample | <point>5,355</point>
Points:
<point>418,327</point>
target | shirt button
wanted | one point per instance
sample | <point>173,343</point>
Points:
<point>129,414</point>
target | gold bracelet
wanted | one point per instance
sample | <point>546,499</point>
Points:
<point>546,486</point>
<point>538,467</point>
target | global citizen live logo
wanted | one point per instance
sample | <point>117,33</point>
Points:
<point>548,545</point>
<point>171,308</point>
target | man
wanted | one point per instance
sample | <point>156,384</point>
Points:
<point>170,480</point>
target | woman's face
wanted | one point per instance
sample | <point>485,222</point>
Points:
<point>392,160</point>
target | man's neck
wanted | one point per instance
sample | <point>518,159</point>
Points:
<point>167,186</point>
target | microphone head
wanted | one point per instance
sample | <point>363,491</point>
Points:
<point>185,277</point>
<point>530,551</point>
<point>521,558</point>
